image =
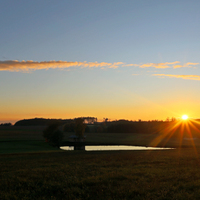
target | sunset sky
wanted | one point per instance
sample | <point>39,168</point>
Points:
<point>107,59</point>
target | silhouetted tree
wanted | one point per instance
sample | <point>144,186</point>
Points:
<point>53,135</point>
<point>80,128</point>
<point>90,120</point>
<point>69,127</point>
<point>105,120</point>
<point>5,124</point>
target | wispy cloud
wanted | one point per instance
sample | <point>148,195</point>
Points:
<point>116,65</point>
<point>167,65</point>
<point>159,65</point>
<point>26,66</point>
<point>15,65</point>
<point>188,77</point>
<point>130,65</point>
<point>188,64</point>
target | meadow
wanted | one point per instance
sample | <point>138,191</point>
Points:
<point>34,170</point>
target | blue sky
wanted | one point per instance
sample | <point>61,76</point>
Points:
<point>115,59</point>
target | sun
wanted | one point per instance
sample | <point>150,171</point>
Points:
<point>184,117</point>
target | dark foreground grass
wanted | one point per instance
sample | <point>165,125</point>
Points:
<point>24,146</point>
<point>168,174</point>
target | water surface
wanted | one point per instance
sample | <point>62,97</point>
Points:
<point>114,147</point>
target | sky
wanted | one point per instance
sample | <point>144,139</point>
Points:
<point>107,59</point>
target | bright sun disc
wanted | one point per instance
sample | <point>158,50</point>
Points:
<point>184,117</point>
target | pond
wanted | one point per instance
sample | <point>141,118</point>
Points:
<point>114,147</point>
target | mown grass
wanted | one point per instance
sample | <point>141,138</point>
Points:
<point>169,174</point>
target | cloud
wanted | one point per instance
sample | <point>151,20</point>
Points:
<point>177,66</point>
<point>130,65</point>
<point>188,77</point>
<point>167,65</point>
<point>26,66</point>
<point>188,64</point>
<point>158,65</point>
<point>116,65</point>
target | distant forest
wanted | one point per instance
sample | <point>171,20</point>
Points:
<point>46,122</point>
<point>5,124</point>
<point>41,122</point>
<point>121,126</point>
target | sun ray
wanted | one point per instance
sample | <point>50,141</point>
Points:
<point>173,129</point>
<point>181,134</point>
<point>191,137</point>
<point>180,130</point>
<point>165,134</point>
<point>193,126</point>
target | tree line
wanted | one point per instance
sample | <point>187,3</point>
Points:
<point>47,122</point>
<point>118,126</point>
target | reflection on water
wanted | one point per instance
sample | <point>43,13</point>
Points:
<point>114,147</point>
<point>67,148</point>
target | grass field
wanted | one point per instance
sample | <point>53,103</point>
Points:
<point>23,140</point>
<point>48,173</point>
<point>173,174</point>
